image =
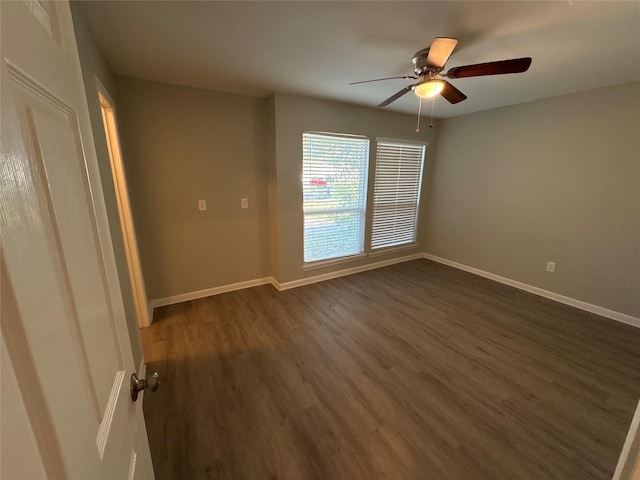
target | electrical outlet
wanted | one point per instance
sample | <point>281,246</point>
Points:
<point>244,202</point>
<point>202,205</point>
<point>551,267</point>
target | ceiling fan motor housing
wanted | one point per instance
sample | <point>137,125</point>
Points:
<point>420,65</point>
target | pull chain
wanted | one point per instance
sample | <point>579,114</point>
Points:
<point>433,106</point>
<point>419,110</point>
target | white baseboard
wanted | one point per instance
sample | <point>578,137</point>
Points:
<point>207,292</point>
<point>185,297</point>
<point>604,312</point>
<point>342,273</point>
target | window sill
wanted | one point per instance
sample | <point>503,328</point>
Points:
<point>333,261</point>
<point>387,250</point>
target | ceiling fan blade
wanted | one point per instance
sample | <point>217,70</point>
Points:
<point>406,77</point>
<point>515,65</point>
<point>451,94</point>
<point>396,96</point>
<point>440,51</point>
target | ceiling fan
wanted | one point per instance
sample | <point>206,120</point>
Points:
<point>429,62</point>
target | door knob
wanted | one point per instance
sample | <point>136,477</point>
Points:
<point>151,382</point>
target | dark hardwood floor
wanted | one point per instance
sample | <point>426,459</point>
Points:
<point>413,371</point>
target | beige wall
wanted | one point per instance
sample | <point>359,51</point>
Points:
<point>504,190</point>
<point>558,180</point>
<point>272,188</point>
<point>184,144</point>
<point>181,145</point>
<point>94,65</point>
<point>295,115</point>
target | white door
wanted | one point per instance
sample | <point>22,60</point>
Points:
<point>66,354</point>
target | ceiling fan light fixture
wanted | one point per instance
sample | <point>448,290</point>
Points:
<point>429,89</point>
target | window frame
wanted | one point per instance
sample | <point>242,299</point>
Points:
<point>361,211</point>
<point>405,245</point>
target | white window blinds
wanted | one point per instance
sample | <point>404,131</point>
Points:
<point>396,193</point>
<point>334,177</point>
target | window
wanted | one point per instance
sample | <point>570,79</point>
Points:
<point>396,194</point>
<point>334,176</point>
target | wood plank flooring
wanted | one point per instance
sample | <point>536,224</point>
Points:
<point>413,371</point>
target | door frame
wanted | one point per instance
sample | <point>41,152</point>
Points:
<point>125,216</point>
<point>628,467</point>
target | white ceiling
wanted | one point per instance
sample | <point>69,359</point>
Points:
<point>317,48</point>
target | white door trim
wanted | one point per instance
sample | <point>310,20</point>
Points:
<point>628,467</point>
<point>134,266</point>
